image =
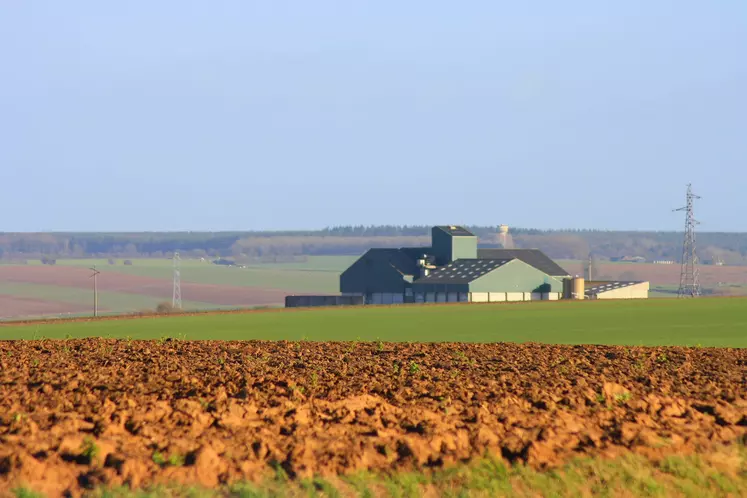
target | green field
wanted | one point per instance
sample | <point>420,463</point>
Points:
<point>705,322</point>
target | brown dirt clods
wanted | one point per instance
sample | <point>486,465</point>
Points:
<point>79,414</point>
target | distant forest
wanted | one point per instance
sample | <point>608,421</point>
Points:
<point>730,248</point>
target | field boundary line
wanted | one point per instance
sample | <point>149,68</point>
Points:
<point>242,311</point>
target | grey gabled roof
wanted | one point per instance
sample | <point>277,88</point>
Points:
<point>416,253</point>
<point>608,286</point>
<point>455,231</point>
<point>532,257</point>
<point>401,259</point>
<point>462,271</point>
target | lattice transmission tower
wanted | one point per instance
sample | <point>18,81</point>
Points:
<point>689,282</point>
<point>176,300</point>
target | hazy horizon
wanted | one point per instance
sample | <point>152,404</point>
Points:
<point>241,116</point>
<point>115,232</point>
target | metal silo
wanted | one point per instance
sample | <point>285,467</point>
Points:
<point>577,288</point>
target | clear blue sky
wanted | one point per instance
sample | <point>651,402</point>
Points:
<point>149,115</point>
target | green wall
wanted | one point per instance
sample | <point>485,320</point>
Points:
<point>448,248</point>
<point>516,276</point>
<point>463,248</point>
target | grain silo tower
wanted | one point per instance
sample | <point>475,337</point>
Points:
<point>504,238</point>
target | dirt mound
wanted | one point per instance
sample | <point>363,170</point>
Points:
<point>82,413</point>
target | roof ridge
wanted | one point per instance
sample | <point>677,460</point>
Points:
<point>531,256</point>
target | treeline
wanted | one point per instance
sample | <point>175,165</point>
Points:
<point>731,248</point>
<point>425,230</point>
<point>253,247</point>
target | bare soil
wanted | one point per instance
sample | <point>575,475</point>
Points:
<point>66,276</point>
<point>79,414</point>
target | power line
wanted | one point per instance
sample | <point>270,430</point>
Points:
<point>176,300</point>
<point>689,282</point>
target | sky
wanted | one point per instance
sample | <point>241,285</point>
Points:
<point>248,115</point>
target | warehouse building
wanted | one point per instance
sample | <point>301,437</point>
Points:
<point>453,269</point>
<point>486,280</point>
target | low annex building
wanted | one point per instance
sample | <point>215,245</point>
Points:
<point>453,269</point>
<point>616,290</point>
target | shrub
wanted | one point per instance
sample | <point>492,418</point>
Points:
<point>166,308</point>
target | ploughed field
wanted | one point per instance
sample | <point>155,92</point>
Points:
<point>88,413</point>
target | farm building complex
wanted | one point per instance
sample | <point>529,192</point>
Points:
<point>455,269</point>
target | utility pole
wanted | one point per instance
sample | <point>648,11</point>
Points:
<point>689,281</point>
<point>590,263</point>
<point>95,290</point>
<point>176,300</point>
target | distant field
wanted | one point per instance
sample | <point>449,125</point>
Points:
<point>36,289</point>
<point>705,321</point>
<point>82,299</point>
<point>664,291</point>
<point>663,275</point>
<point>320,263</point>
<point>718,280</point>
<point>65,288</point>
<point>318,274</point>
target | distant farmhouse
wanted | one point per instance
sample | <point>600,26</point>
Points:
<point>455,269</point>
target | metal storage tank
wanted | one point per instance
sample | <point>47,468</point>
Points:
<point>577,288</point>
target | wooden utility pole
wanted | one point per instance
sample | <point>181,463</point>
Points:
<point>589,267</point>
<point>95,290</point>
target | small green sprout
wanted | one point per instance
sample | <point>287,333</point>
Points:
<point>89,450</point>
